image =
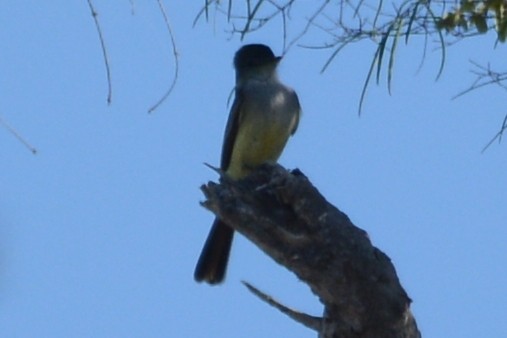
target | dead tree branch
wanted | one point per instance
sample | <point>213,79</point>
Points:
<point>283,214</point>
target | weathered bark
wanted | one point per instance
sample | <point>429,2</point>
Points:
<point>283,214</point>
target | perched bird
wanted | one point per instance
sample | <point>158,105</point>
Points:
<point>265,113</point>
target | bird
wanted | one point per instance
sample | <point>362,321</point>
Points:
<point>264,114</point>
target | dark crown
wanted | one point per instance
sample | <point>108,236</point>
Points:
<point>254,55</point>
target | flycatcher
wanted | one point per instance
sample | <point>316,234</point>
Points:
<point>264,114</point>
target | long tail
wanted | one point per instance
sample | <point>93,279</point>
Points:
<point>212,263</point>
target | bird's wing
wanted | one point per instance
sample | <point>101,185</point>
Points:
<point>298,114</point>
<point>231,130</point>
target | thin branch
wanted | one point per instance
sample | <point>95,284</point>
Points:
<point>284,10</point>
<point>377,14</point>
<point>485,77</point>
<point>335,53</point>
<point>250,17</point>
<point>312,322</point>
<point>498,135</point>
<point>205,10</point>
<point>309,23</point>
<point>104,51</point>
<point>176,59</point>
<point>229,11</point>
<point>18,136</point>
<point>284,28</point>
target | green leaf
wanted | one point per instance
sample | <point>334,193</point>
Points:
<point>479,20</point>
<point>412,19</point>
<point>448,22</point>
<point>367,81</point>
<point>441,38</point>
<point>502,31</point>
<point>399,24</point>
<point>467,6</point>
<point>381,48</point>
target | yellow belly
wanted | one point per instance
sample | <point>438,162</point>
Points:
<point>256,143</point>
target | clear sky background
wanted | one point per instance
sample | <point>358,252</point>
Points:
<point>100,231</point>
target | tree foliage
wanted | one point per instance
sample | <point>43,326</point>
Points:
<point>340,23</point>
<point>477,17</point>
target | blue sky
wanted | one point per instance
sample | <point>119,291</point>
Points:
<point>100,231</point>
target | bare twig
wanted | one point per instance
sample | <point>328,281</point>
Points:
<point>310,22</point>
<point>176,59</point>
<point>312,322</point>
<point>498,135</point>
<point>104,51</point>
<point>250,15</point>
<point>485,76</point>
<point>204,10</point>
<point>18,136</point>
